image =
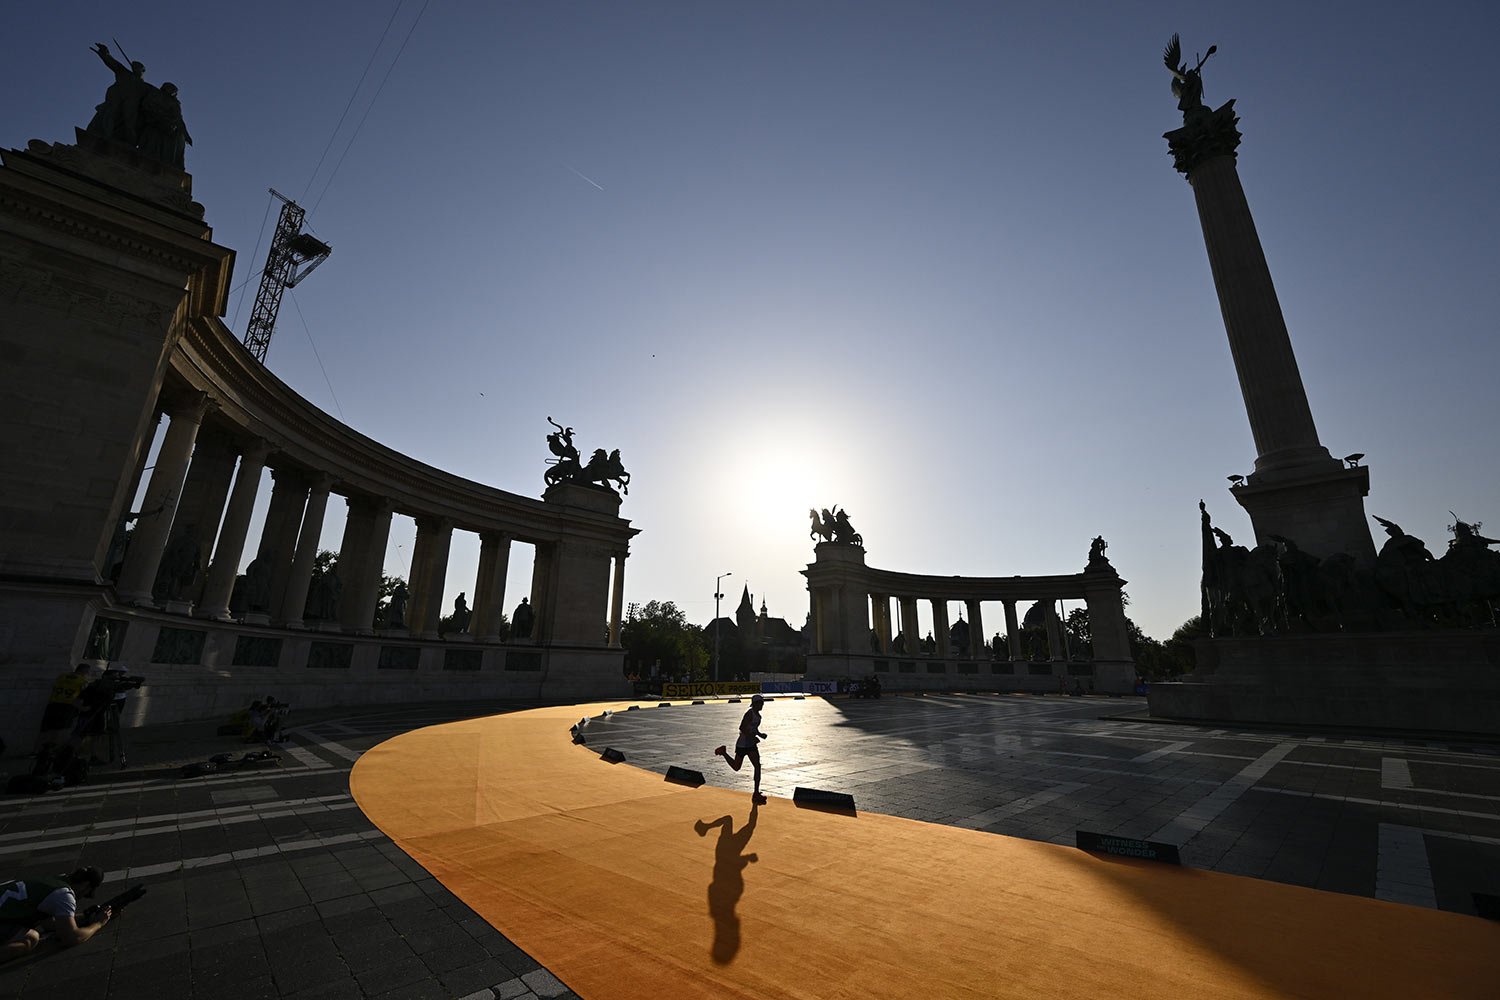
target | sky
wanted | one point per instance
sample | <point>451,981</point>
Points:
<point>926,261</point>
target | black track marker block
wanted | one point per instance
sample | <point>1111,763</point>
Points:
<point>578,738</point>
<point>632,708</point>
<point>612,755</point>
<point>800,697</point>
<point>817,798</point>
<point>664,704</point>
<point>685,776</point>
<point>1487,906</point>
<point>1126,847</point>
<point>700,703</point>
<point>734,701</point>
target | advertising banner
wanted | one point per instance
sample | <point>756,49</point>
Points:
<point>709,689</point>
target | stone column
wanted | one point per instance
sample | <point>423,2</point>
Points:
<point>278,536</point>
<point>294,603</point>
<point>1297,489</point>
<point>617,600</point>
<point>1012,630</point>
<point>362,562</point>
<point>231,544</point>
<point>820,620</point>
<point>489,585</point>
<point>909,626</point>
<point>148,541</point>
<point>1111,639</point>
<point>837,633</point>
<point>940,628</point>
<point>1054,634</point>
<point>434,536</point>
<point>976,631</point>
<point>882,605</point>
<point>200,509</point>
<point>543,568</point>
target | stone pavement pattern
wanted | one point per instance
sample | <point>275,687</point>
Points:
<point>1409,821</point>
<point>259,884</point>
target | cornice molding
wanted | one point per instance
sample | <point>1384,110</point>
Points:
<point>257,403</point>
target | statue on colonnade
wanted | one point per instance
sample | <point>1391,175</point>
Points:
<point>134,113</point>
<point>602,467</point>
<point>834,526</point>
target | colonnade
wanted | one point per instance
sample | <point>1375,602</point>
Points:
<point>192,531</point>
<point>851,600</point>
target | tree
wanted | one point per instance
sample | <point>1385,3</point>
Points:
<point>659,632</point>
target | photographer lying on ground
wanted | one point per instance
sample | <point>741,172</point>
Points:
<point>30,907</point>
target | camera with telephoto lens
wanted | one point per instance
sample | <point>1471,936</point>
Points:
<point>118,682</point>
<point>116,905</point>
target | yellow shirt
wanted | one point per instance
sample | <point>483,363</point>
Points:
<point>67,688</point>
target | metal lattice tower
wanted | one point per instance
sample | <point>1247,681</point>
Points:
<point>292,257</point>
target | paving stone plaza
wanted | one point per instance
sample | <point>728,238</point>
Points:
<point>273,884</point>
<point>268,884</point>
<point>1411,821</point>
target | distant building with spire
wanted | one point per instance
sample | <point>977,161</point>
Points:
<point>754,642</point>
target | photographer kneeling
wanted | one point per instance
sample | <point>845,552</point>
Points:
<point>30,907</point>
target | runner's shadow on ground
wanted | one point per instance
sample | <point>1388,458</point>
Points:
<point>728,885</point>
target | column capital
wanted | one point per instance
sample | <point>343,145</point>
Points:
<point>492,537</point>
<point>433,524</point>
<point>290,475</point>
<point>255,450</point>
<point>1204,135</point>
<point>322,482</point>
<point>190,406</point>
<point>363,503</point>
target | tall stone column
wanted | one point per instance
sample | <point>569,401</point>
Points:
<point>367,530</point>
<point>1012,630</point>
<point>202,506</point>
<point>1297,489</point>
<point>148,541</point>
<point>882,606</point>
<point>278,535</point>
<point>940,635</point>
<point>910,627</point>
<point>489,585</point>
<point>976,631</point>
<point>819,644</point>
<point>434,536</point>
<point>231,544</point>
<point>617,600</point>
<point>1054,633</point>
<point>543,569</point>
<point>294,603</point>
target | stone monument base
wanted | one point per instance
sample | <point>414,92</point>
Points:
<point>1439,682</point>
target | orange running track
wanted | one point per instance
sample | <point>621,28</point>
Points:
<point>630,888</point>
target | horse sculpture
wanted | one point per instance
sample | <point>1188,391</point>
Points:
<point>822,527</point>
<point>602,468</point>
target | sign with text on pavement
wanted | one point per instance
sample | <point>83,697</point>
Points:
<point>1127,847</point>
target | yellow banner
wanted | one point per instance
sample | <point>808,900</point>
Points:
<point>708,689</point>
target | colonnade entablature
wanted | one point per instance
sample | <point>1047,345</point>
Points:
<point>854,629</point>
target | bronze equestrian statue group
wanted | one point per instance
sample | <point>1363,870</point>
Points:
<point>601,469</point>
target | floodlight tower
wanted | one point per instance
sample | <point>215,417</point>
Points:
<point>292,257</point>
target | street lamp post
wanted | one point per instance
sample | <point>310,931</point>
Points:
<point>717,581</point>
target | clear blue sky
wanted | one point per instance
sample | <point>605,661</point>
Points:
<point>927,261</point>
